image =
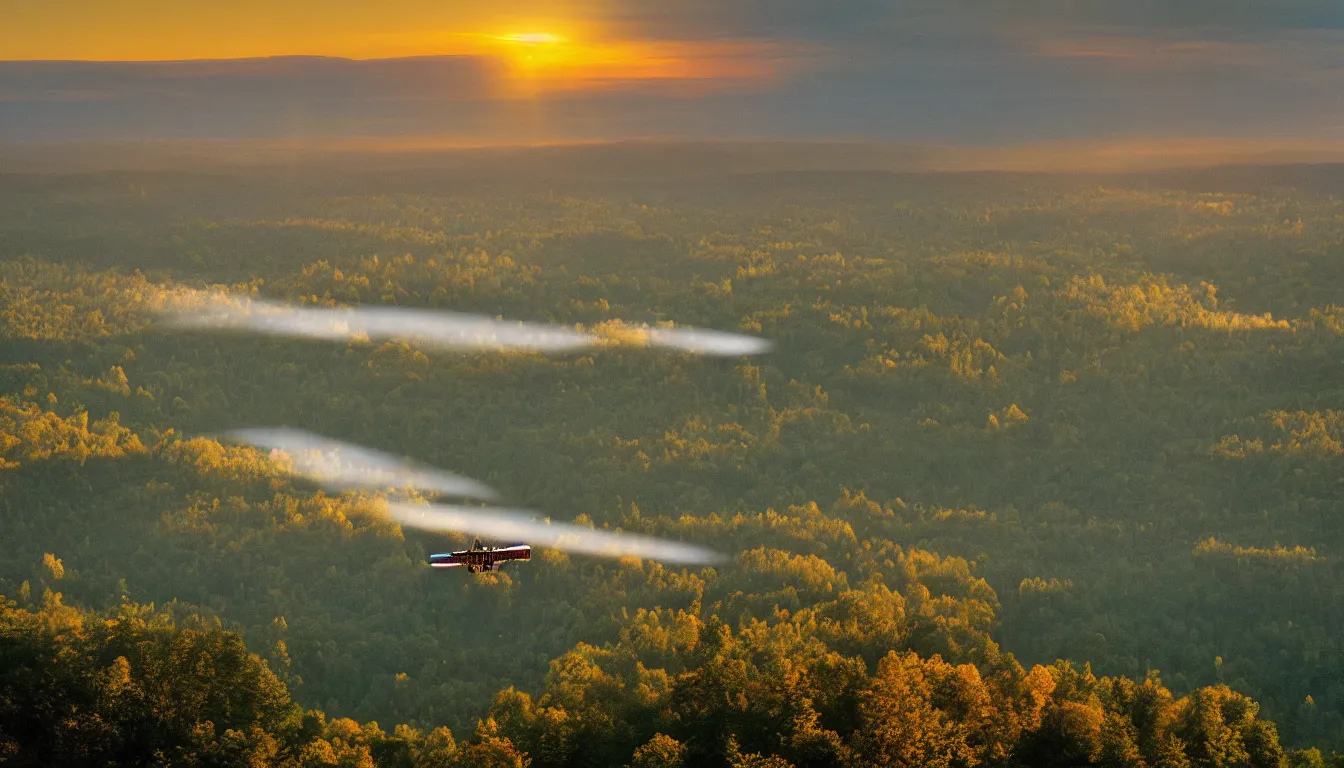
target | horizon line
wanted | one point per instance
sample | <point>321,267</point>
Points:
<point>214,59</point>
<point>1138,154</point>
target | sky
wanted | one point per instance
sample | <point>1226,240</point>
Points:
<point>982,72</point>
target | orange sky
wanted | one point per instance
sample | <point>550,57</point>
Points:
<point>549,61</point>
<point>903,69</point>
<point>549,46</point>
<point>143,30</point>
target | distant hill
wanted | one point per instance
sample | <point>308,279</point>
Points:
<point>438,112</point>
<point>239,98</point>
<point>423,163</point>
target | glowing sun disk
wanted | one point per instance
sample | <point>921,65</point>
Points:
<point>533,37</point>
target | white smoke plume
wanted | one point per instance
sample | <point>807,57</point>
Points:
<point>703,342</point>
<point>434,328</point>
<point>341,466</point>
<point>521,525</point>
<point>439,329</point>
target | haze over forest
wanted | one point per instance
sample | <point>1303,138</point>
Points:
<point>1009,419</point>
<point>1032,457</point>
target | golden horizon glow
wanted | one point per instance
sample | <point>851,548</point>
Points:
<point>542,46</point>
<point>545,62</point>
<point>540,62</point>
<point>533,37</point>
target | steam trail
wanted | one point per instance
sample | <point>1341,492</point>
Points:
<point>441,329</point>
<point>705,342</point>
<point>435,328</point>
<point>342,466</point>
<point>520,525</point>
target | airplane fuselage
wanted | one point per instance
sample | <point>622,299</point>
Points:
<point>477,560</point>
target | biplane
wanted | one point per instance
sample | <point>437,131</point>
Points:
<point>480,558</point>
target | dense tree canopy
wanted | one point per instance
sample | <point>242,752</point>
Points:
<point>1008,420</point>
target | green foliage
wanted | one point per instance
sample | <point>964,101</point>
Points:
<point>1008,420</point>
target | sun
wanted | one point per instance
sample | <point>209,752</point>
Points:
<point>533,38</point>
<point>539,54</point>
<point>545,59</point>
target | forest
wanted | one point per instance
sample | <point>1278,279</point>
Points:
<point>1042,470</point>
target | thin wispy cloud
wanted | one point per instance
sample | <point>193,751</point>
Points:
<point>522,525</point>
<point>1286,55</point>
<point>340,466</point>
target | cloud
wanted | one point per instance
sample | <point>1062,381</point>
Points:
<point>1253,16</point>
<point>875,20</point>
<point>820,20</point>
<point>246,98</point>
<point>963,71</point>
<point>305,78</point>
<point>1289,54</point>
<point>681,69</point>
